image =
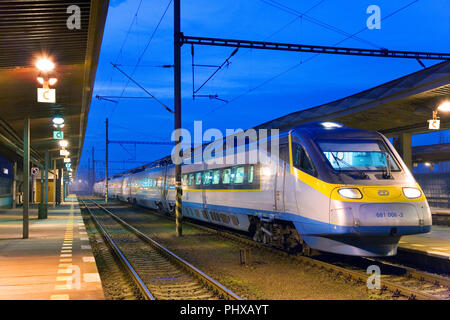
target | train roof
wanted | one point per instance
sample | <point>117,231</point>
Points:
<point>334,130</point>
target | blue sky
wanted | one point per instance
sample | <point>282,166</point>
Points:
<point>422,26</point>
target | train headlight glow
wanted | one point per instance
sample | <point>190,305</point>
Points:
<point>331,125</point>
<point>412,193</point>
<point>350,193</point>
<point>266,171</point>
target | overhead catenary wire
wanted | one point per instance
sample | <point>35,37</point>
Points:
<point>194,92</point>
<point>147,45</point>
<point>303,62</point>
<point>318,22</point>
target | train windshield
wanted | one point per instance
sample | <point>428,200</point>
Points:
<point>358,155</point>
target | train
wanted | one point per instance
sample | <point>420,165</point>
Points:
<point>332,189</point>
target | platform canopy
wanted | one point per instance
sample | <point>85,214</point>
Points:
<point>30,29</point>
<point>401,106</point>
<point>432,153</point>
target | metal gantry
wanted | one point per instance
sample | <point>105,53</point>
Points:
<point>249,44</point>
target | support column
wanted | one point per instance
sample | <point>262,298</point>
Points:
<point>42,213</point>
<point>406,149</point>
<point>46,167</point>
<point>26,177</point>
<point>54,183</point>
<point>106,163</point>
<point>14,186</point>
<point>177,95</point>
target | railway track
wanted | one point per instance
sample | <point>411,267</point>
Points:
<point>158,273</point>
<point>396,280</point>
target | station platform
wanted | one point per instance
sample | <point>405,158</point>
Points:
<point>436,243</point>
<point>429,251</point>
<point>55,263</point>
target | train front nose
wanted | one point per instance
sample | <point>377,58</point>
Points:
<point>382,211</point>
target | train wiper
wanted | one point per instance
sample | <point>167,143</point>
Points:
<point>362,174</point>
<point>387,173</point>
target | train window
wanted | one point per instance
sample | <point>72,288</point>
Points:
<point>184,179</point>
<point>207,177</point>
<point>251,171</point>
<point>191,179</point>
<point>302,160</point>
<point>198,178</point>
<point>226,177</point>
<point>216,177</point>
<point>239,176</point>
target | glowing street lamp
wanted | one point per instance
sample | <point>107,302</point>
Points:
<point>58,121</point>
<point>444,106</point>
<point>45,65</point>
<point>63,143</point>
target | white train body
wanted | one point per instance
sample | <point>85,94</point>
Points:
<point>303,199</point>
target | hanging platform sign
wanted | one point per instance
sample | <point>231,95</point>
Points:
<point>46,95</point>
<point>434,124</point>
<point>58,135</point>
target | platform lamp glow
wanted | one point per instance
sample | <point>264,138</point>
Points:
<point>45,67</point>
<point>435,123</point>
<point>58,121</point>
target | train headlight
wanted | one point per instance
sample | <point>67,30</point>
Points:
<point>412,193</point>
<point>266,172</point>
<point>350,193</point>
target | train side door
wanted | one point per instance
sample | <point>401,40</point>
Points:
<point>280,180</point>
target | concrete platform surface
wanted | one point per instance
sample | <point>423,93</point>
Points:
<point>55,263</point>
<point>435,243</point>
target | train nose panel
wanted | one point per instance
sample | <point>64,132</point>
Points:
<point>388,214</point>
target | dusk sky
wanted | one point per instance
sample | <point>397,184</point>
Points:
<point>422,25</point>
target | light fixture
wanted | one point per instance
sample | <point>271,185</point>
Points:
<point>444,106</point>
<point>427,164</point>
<point>45,65</point>
<point>41,79</point>
<point>350,193</point>
<point>58,120</point>
<point>412,193</point>
<point>63,143</point>
<point>331,125</point>
<point>52,81</point>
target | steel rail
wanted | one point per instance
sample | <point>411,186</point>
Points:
<point>218,287</point>
<point>138,281</point>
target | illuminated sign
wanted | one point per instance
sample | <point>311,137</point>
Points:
<point>63,152</point>
<point>35,171</point>
<point>67,160</point>
<point>434,124</point>
<point>46,95</point>
<point>58,135</point>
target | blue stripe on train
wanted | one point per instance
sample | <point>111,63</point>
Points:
<point>307,226</point>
